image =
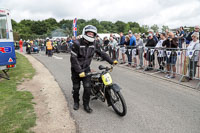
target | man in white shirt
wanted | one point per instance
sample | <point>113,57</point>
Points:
<point>192,57</point>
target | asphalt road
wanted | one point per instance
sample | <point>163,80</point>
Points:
<point>154,105</point>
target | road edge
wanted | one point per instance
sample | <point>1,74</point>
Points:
<point>65,115</point>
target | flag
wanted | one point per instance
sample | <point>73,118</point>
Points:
<point>152,51</point>
<point>134,52</point>
<point>178,53</point>
<point>129,51</point>
<point>160,53</point>
<point>190,53</point>
<point>169,53</point>
<point>75,27</point>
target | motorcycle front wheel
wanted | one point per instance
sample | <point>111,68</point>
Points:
<point>118,103</point>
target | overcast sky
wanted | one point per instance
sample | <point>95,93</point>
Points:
<point>173,13</point>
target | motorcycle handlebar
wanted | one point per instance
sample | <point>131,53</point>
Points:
<point>100,68</point>
<point>106,68</point>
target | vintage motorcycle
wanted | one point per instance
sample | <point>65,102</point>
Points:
<point>105,90</point>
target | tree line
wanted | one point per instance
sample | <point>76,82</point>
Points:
<point>30,29</point>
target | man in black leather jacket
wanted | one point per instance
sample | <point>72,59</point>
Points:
<point>81,56</point>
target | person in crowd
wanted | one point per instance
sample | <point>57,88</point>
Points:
<point>28,47</point>
<point>110,50</point>
<point>42,45</point>
<point>105,44</point>
<point>122,48</point>
<point>49,48</point>
<point>161,55</point>
<point>181,37</point>
<point>167,33</point>
<point>191,62</point>
<point>21,45</point>
<point>73,38</point>
<point>55,46</point>
<point>117,47</point>
<point>36,43</point>
<point>130,47</point>
<point>154,36</point>
<point>98,46</point>
<point>140,49</point>
<point>189,37</point>
<point>171,44</point>
<point>144,38</point>
<point>158,35</point>
<point>31,42</point>
<point>177,33</point>
<point>186,33</point>
<point>24,43</point>
<point>113,44</point>
<point>135,52</point>
<point>81,57</point>
<point>151,43</point>
<point>70,42</point>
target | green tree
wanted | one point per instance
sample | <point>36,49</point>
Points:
<point>164,28</point>
<point>120,26</point>
<point>155,28</point>
<point>144,29</point>
<point>30,29</point>
<point>39,27</point>
<point>14,24</point>
<point>107,26</point>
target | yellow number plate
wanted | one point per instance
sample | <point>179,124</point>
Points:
<point>107,80</point>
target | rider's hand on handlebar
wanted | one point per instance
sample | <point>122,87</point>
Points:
<point>115,62</point>
<point>82,75</point>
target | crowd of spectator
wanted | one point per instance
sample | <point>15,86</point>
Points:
<point>58,45</point>
<point>164,46</point>
<point>128,48</point>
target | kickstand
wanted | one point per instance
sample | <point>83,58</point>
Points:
<point>5,74</point>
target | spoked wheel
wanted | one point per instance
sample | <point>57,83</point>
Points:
<point>118,103</point>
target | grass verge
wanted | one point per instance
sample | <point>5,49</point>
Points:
<point>16,108</point>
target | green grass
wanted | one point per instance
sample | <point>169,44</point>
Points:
<point>16,108</point>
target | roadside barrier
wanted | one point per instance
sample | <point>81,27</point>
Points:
<point>179,61</point>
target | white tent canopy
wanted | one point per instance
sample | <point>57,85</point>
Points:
<point>102,35</point>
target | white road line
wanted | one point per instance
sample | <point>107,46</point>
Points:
<point>56,57</point>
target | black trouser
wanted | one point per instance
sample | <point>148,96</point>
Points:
<point>192,68</point>
<point>129,56</point>
<point>76,81</point>
<point>28,50</point>
<point>110,52</point>
<point>161,62</point>
<point>150,58</point>
<point>49,52</point>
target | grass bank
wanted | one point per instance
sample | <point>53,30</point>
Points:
<point>16,107</point>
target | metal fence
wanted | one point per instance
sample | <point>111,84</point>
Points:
<point>172,61</point>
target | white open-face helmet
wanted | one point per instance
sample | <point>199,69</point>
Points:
<point>89,28</point>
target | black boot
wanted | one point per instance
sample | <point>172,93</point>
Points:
<point>87,108</point>
<point>76,105</point>
<point>109,103</point>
